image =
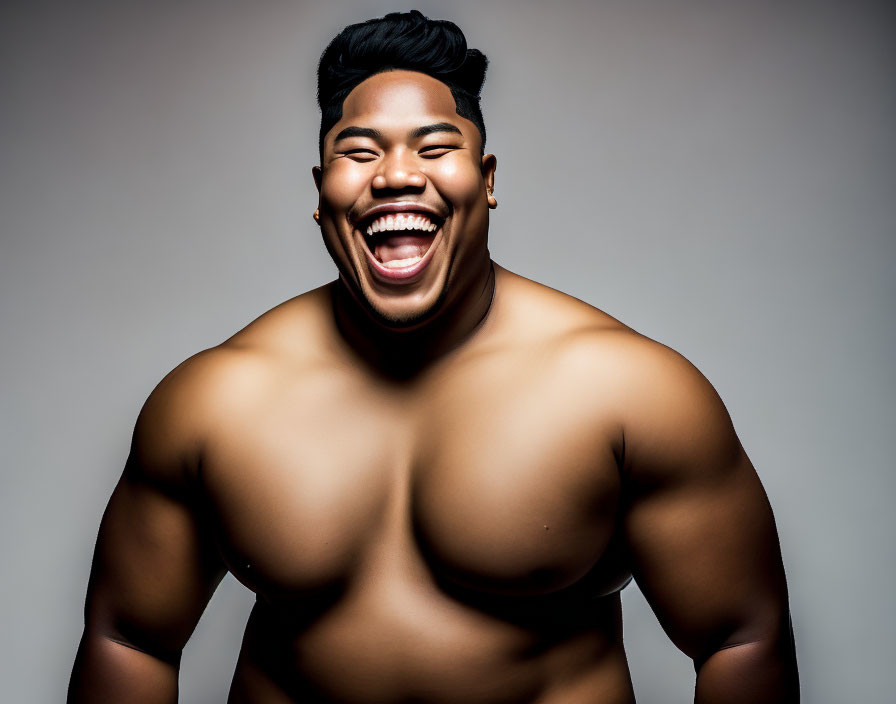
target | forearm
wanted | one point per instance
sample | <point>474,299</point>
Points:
<point>109,671</point>
<point>760,672</point>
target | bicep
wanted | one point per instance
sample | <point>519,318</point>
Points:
<point>155,567</point>
<point>706,557</point>
<point>698,522</point>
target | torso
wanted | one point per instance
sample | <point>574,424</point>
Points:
<point>448,538</point>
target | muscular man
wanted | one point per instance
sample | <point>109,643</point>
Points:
<point>435,474</point>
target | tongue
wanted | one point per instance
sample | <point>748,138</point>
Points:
<point>402,247</point>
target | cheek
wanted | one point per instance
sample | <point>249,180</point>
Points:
<point>459,182</point>
<point>343,184</point>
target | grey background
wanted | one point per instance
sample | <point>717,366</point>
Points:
<point>718,175</point>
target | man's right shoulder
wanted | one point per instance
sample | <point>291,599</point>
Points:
<point>184,408</point>
<point>220,387</point>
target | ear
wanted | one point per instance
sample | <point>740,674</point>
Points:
<point>318,175</point>
<point>489,166</point>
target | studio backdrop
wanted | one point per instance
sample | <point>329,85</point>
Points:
<point>717,175</point>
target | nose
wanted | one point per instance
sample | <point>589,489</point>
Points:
<point>398,170</point>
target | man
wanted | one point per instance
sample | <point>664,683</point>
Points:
<point>436,475</point>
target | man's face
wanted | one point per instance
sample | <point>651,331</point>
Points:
<point>403,201</point>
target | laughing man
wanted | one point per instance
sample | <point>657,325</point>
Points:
<point>436,475</point>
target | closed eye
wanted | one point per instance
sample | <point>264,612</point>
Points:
<point>360,154</point>
<point>436,150</point>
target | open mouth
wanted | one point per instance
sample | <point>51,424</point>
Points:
<point>398,243</point>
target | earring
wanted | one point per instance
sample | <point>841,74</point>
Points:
<point>316,215</point>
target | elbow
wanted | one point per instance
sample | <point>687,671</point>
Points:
<point>770,628</point>
<point>171,656</point>
<point>751,669</point>
<point>123,633</point>
<point>109,669</point>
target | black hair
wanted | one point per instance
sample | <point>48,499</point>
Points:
<point>400,40</point>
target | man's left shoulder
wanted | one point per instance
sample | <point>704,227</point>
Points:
<point>587,338</point>
<point>539,314</point>
<point>672,419</point>
<point>649,384</point>
<point>671,415</point>
<point>596,344</point>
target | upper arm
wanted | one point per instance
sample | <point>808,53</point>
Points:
<point>155,565</point>
<point>698,523</point>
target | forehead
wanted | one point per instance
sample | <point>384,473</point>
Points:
<point>401,100</point>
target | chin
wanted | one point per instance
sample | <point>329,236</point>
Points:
<point>404,317</point>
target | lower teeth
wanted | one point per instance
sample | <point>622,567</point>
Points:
<point>399,263</point>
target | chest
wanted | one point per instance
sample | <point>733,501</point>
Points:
<point>485,482</point>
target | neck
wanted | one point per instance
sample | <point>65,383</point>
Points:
<point>405,352</point>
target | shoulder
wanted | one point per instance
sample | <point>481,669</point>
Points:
<point>664,406</point>
<point>675,426</point>
<point>672,419</point>
<point>185,408</point>
<point>212,390</point>
<point>671,413</point>
<point>581,336</point>
<point>536,317</point>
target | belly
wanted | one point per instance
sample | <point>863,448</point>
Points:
<point>418,647</point>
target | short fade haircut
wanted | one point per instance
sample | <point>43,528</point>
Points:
<point>400,41</point>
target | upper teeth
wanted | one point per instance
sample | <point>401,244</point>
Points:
<point>401,221</point>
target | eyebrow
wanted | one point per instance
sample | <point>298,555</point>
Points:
<point>358,132</point>
<point>437,127</point>
<point>353,131</point>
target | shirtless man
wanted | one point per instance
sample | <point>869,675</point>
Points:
<point>435,474</point>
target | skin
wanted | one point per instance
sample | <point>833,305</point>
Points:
<point>438,488</point>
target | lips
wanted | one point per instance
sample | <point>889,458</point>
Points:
<point>399,239</point>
